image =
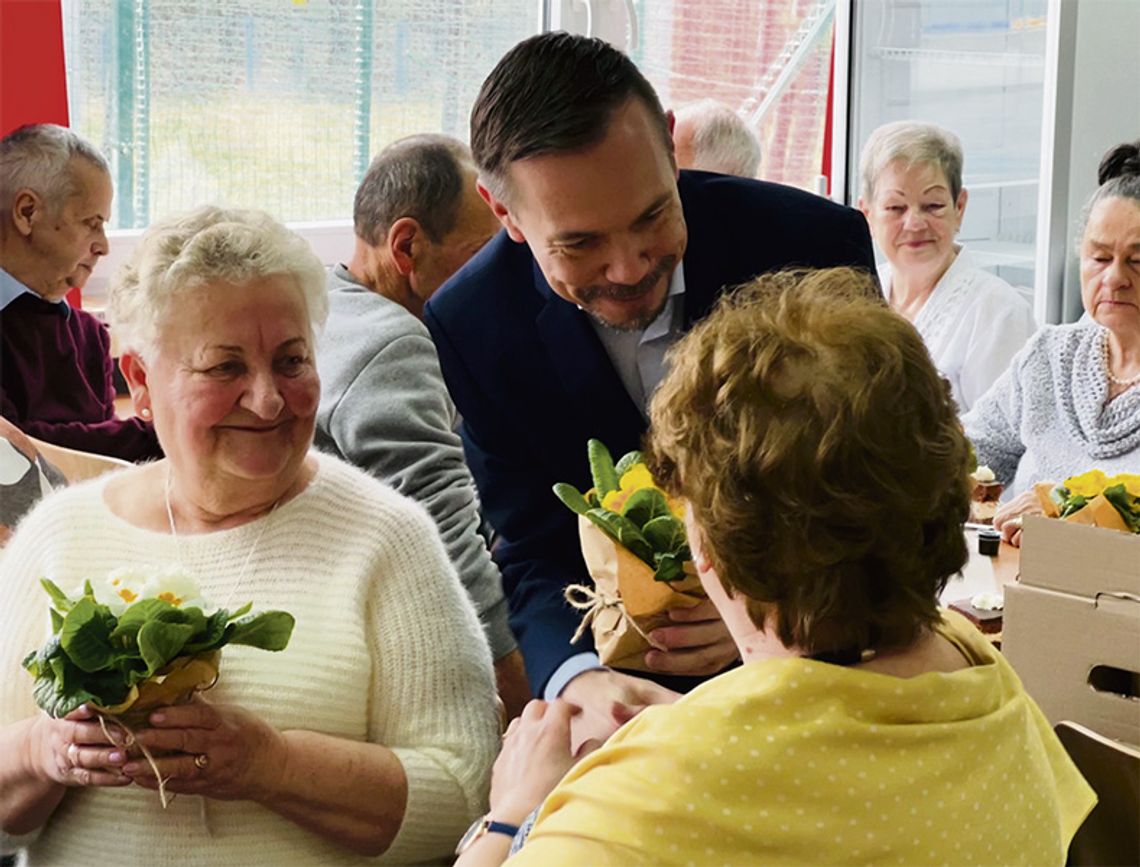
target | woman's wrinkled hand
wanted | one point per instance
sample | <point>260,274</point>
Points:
<point>1008,517</point>
<point>76,751</point>
<point>536,755</point>
<point>220,751</point>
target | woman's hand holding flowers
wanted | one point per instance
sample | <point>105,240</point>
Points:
<point>76,750</point>
<point>220,751</point>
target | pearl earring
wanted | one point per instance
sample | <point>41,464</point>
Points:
<point>145,412</point>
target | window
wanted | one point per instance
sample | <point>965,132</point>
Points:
<point>769,61</point>
<point>275,104</point>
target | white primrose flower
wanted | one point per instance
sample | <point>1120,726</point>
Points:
<point>119,589</point>
<point>176,587</point>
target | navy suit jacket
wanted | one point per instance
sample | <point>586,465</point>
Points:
<point>533,382</point>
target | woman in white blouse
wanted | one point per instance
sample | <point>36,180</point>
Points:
<point>971,320</point>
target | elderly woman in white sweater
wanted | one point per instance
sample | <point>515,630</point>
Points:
<point>1070,401</point>
<point>971,321</point>
<point>374,731</point>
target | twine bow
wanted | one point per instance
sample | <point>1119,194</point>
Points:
<point>593,602</point>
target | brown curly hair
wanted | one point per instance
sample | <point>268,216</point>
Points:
<point>821,454</point>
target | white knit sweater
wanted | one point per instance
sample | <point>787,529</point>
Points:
<point>387,649</point>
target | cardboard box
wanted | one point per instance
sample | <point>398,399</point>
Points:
<point>1072,625</point>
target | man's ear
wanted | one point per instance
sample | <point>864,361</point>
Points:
<point>27,210</point>
<point>135,374</point>
<point>500,210</point>
<point>862,206</point>
<point>405,236</point>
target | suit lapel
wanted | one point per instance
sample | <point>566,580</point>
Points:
<point>702,266</point>
<point>585,373</point>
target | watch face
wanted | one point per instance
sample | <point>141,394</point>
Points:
<point>473,833</point>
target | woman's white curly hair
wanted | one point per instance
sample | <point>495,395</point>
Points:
<point>206,246</point>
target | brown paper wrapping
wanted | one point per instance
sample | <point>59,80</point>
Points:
<point>177,683</point>
<point>1099,512</point>
<point>625,604</point>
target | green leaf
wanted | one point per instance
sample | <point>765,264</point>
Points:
<point>601,467</point>
<point>85,635</point>
<point>644,505</point>
<point>210,638</point>
<point>1071,503</point>
<point>159,642</point>
<point>133,618</point>
<point>241,612</point>
<point>58,598</point>
<point>622,530</point>
<point>269,630</point>
<point>195,619</point>
<point>31,663</point>
<point>56,702</point>
<point>667,535</point>
<point>626,463</point>
<point>593,499</point>
<point>1124,503</point>
<point>571,498</point>
<point>56,620</point>
<point>669,568</point>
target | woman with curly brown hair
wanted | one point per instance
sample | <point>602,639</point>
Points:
<point>819,452</point>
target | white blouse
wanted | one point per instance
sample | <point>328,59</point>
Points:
<point>973,323</point>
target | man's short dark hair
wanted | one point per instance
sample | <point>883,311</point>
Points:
<point>421,176</point>
<point>553,92</point>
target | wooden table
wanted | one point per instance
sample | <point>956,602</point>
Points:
<point>982,574</point>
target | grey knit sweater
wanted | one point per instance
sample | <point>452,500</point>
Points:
<point>1046,417</point>
<point>384,407</point>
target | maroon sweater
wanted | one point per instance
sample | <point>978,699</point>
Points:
<point>56,381</point>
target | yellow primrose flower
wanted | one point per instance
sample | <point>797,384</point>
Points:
<point>1131,482</point>
<point>614,500</point>
<point>1087,484</point>
<point>636,478</point>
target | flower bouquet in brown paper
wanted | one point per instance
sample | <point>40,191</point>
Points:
<point>132,642</point>
<point>633,541</point>
<point>1095,499</point>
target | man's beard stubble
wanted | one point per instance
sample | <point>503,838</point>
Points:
<point>621,292</point>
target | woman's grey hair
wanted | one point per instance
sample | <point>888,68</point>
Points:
<point>37,157</point>
<point>205,246</point>
<point>912,143</point>
<point>1119,177</point>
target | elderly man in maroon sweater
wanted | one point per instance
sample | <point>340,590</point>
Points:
<point>55,363</point>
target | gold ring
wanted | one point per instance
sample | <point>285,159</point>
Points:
<point>201,761</point>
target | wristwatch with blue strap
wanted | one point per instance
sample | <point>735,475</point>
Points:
<point>480,828</point>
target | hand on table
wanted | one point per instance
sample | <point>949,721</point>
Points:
<point>536,754</point>
<point>607,700</point>
<point>220,751</point>
<point>1008,517</point>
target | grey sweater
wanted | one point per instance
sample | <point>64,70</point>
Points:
<point>1046,417</point>
<point>384,407</point>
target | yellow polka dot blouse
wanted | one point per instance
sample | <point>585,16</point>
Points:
<point>793,761</point>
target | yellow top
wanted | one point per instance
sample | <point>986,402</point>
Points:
<point>793,761</point>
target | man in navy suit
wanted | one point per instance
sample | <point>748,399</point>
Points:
<point>557,330</point>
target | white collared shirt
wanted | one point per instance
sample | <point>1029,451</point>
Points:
<point>639,356</point>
